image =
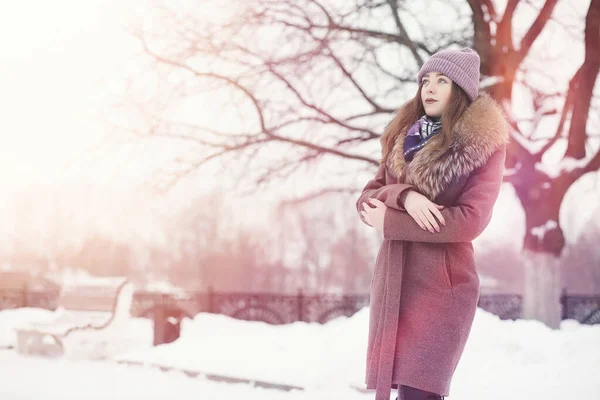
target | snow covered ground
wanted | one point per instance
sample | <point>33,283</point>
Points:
<point>502,360</point>
<point>11,318</point>
<point>27,378</point>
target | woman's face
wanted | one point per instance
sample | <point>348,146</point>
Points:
<point>435,93</point>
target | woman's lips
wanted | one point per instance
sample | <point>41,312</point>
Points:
<point>430,101</point>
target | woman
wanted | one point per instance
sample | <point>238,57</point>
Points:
<point>439,177</point>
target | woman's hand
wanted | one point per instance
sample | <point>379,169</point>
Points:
<point>374,215</point>
<point>423,210</point>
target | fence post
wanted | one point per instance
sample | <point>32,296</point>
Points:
<point>158,316</point>
<point>300,305</point>
<point>24,296</point>
<point>563,304</point>
<point>211,305</point>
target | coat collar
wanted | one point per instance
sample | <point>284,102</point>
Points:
<point>480,131</point>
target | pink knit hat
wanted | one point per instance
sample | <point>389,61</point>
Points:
<point>462,66</point>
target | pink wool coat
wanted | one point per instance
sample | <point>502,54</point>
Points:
<point>425,286</point>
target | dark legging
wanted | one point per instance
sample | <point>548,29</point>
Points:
<point>411,393</point>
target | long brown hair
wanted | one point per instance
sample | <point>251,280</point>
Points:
<point>413,109</point>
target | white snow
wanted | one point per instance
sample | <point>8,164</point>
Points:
<point>531,147</point>
<point>9,319</point>
<point>487,282</point>
<point>489,81</point>
<point>540,231</point>
<point>502,360</point>
<point>564,166</point>
<point>26,378</point>
<point>509,172</point>
<point>81,278</point>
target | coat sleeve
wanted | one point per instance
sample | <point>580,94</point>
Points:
<point>466,220</point>
<point>388,194</point>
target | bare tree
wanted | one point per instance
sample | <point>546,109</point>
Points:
<point>311,79</point>
<point>318,78</point>
<point>541,190</point>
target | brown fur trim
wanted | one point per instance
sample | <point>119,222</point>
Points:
<point>480,131</point>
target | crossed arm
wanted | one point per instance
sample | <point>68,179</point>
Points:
<point>390,194</point>
<point>465,221</point>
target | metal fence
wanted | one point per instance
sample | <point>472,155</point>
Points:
<point>282,309</point>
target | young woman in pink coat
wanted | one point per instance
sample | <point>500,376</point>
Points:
<point>440,175</point>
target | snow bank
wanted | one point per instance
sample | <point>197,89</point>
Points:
<point>9,319</point>
<point>133,334</point>
<point>522,354</point>
<point>301,354</point>
<point>502,359</point>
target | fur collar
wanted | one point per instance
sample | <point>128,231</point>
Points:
<point>480,131</point>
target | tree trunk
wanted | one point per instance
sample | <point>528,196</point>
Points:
<point>542,288</point>
<point>542,248</point>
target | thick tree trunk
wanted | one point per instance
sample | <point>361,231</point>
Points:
<point>503,91</point>
<point>542,248</point>
<point>542,288</point>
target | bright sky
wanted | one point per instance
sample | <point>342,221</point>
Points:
<point>56,57</point>
<point>60,61</point>
<point>61,64</point>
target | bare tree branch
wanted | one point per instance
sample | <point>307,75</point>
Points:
<point>396,15</point>
<point>584,84</point>
<point>536,28</point>
<point>567,107</point>
<point>316,33</point>
<point>264,128</point>
<point>316,195</point>
<point>504,30</point>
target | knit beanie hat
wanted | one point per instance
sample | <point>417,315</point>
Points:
<point>462,66</point>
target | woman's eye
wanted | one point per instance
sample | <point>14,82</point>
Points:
<point>442,80</point>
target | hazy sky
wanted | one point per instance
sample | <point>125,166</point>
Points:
<point>61,64</point>
<point>56,57</point>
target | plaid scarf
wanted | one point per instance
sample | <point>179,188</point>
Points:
<point>418,134</point>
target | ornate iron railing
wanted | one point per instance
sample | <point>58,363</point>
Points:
<point>506,306</point>
<point>272,308</point>
<point>585,309</point>
<point>283,309</point>
<point>14,298</point>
